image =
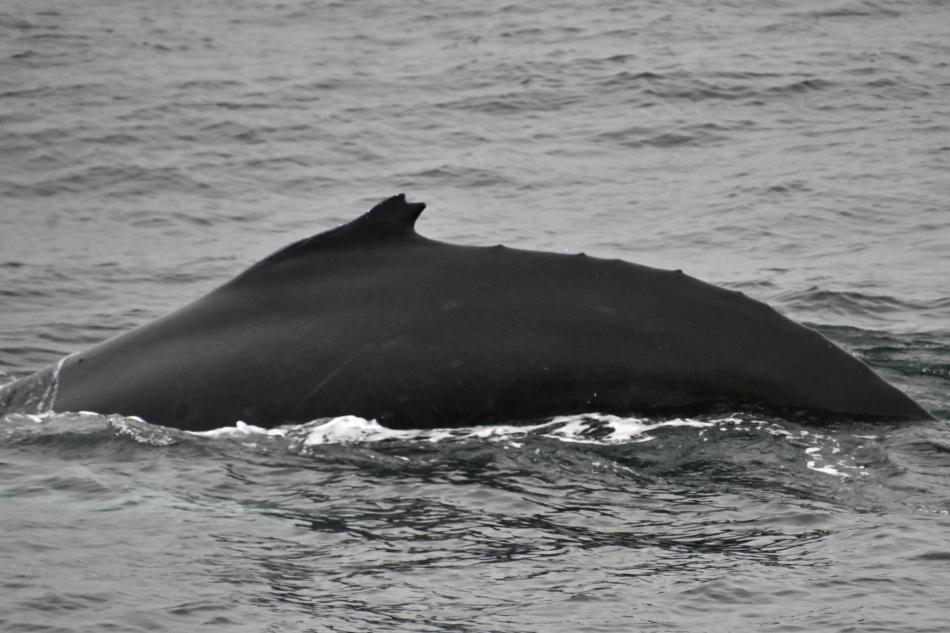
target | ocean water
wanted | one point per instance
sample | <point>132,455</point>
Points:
<point>797,151</point>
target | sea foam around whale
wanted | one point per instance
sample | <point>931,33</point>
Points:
<point>820,452</point>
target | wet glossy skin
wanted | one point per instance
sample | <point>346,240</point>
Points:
<point>372,319</point>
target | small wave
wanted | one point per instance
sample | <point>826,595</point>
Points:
<point>514,102</point>
<point>212,84</point>
<point>847,303</point>
<point>459,176</point>
<point>113,180</point>
<point>804,85</point>
<point>725,85</point>
<point>855,10</point>
<point>56,92</point>
<point>140,431</point>
<point>112,138</point>
<point>690,136</point>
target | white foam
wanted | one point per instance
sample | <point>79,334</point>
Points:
<point>591,428</point>
<point>828,470</point>
<point>822,454</point>
<point>624,430</point>
<point>349,429</point>
<point>141,431</point>
<point>53,389</point>
<point>240,430</point>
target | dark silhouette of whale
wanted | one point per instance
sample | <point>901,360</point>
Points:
<point>372,319</point>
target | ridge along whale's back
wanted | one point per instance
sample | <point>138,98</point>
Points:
<point>372,319</point>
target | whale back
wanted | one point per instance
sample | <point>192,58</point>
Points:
<point>374,320</point>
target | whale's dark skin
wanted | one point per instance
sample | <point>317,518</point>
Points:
<point>374,320</point>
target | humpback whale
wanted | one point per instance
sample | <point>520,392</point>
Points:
<point>373,319</point>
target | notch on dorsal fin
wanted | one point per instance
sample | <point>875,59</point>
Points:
<point>390,220</point>
<point>392,216</point>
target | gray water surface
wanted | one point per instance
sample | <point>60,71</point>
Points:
<point>797,151</point>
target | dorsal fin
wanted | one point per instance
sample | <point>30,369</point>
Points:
<point>392,219</point>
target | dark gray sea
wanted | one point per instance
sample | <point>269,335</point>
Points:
<point>798,151</point>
